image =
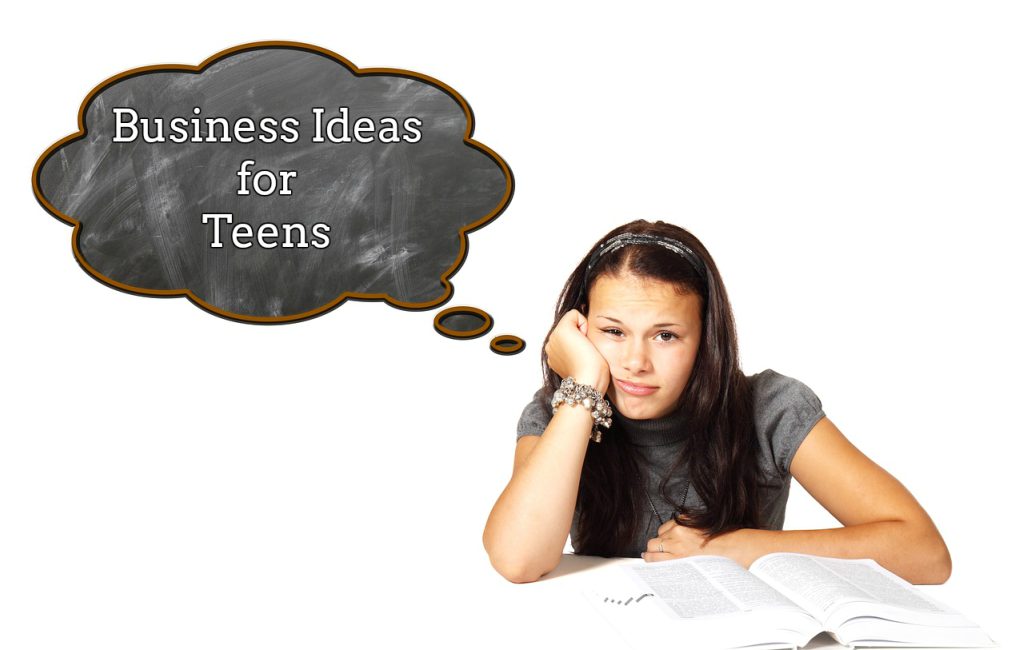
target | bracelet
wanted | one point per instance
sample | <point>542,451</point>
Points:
<point>572,393</point>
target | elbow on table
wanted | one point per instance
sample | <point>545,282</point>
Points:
<point>512,564</point>
<point>518,569</point>
<point>521,570</point>
<point>935,564</point>
<point>941,565</point>
<point>518,573</point>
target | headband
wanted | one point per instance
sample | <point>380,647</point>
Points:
<point>617,242</point>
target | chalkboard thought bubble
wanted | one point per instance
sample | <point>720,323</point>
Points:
<point>274,181</point>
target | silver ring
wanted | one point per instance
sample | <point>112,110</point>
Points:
<point>661,547</point>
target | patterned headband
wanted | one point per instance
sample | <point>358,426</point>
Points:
<point>674,245</point>
<point>617,242</point>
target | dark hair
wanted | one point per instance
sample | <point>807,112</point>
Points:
<point>720,448</point>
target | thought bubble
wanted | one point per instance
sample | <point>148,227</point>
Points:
<point>507,344</point>
<point>463,322</point>
<point>273,182</point>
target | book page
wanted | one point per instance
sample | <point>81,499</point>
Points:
<point>708,585</point>
<point>821,584</point>
<point>711,602</point>
<point>880,584</point>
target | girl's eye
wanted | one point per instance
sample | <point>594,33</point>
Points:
<point>666,336</point>
<point>612,331</point>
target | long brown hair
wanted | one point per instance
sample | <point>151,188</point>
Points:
<point>720,448</point>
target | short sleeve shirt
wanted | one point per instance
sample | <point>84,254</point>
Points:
<point>785,411</point>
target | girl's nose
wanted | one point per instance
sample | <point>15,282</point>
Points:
<point>635,357</point>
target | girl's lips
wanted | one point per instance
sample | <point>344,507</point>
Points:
<point>635,389</point>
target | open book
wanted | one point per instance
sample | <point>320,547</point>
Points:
<point>783,601</point>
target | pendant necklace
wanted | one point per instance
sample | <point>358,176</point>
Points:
<point>650,501</point>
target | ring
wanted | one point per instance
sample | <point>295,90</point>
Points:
<point>661,547</point>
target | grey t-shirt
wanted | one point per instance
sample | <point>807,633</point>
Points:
<point>785,411</point>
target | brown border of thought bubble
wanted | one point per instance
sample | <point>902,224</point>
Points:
<point>444,330</point>
<point>171,293</point>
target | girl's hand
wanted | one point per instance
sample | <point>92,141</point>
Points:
<point>571,354</point>
<point>676,541</point>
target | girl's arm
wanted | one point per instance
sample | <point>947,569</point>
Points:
<point>881,519</point>
<point>528,526</point>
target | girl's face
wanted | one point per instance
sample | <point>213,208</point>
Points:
<point>649,335</point>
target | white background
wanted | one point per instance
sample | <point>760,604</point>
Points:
<point>169,479</point>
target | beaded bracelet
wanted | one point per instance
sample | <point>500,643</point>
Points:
<point>573,393</point>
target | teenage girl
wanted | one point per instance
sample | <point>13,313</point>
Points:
<point>648,440</point>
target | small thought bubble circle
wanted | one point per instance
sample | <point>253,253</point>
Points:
<point>274,181</point>
<point>463,322</point>
<point>507,344</point>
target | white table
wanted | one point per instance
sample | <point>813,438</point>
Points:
<point>552,613</point>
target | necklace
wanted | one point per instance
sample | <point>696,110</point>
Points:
<point>650,501</point>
